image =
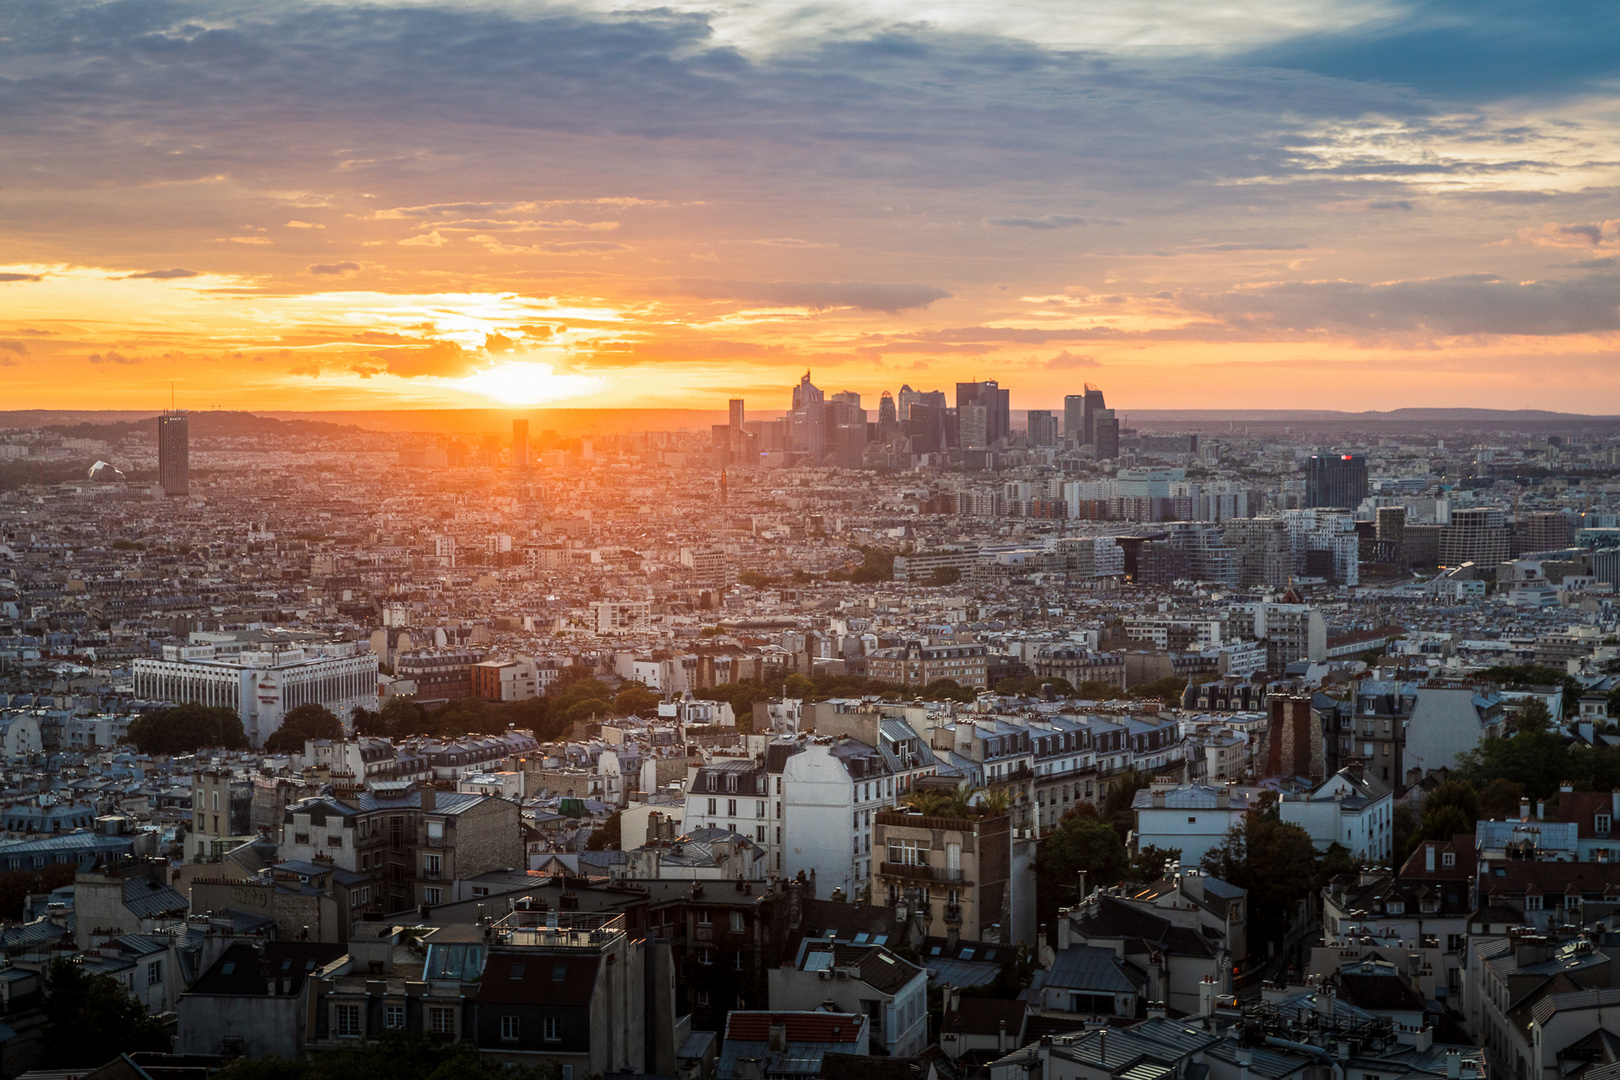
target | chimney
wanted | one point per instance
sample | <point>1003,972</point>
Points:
<point>1428,858</point>
<point>430,799</point>
<point>1245,1058</point>
<point>1453,1064</point>
<point>1541,810</point>
<point>1206,996</point>
<point>779,1037</point>
<point>1524,809</point>
<point>1063,928</point>
<point>1001,1038</point>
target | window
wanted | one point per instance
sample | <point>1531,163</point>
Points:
<point>1192,820</point>
<point>705,957</point>
<point>702,997</point>
<point>1601,823</point>
<point>509,1029</point>
<point>393,1015</point>
<point>552,1029</point>
<point>346,1021</point>
<point>442,1020</point>
<point>516,971</point>
<point>335,840</point>
<point>703,918</point>
<point>430,895</point>
<point>1448,858</point>
<point>711,807</point>
<point>759,808</point>
<point>737,960</point>
<point>433,866</point>
<point>559,972</point>
<point>1532,903</point>
<point>731,807</point>
<point>736,922</point>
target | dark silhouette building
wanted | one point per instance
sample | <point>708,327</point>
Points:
<point>1093,405</point>
<point>174,454</point>
<point>997,408</point>
<point>1105,433</point>
<point>1335,480</point>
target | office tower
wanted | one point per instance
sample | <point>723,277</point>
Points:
<point>1391,524</point>
<point>1264,554</point>
<point>174,454</point>
<point>1074,418</point>
<point>906,399</point>
<point>737,413</point>
<point>807,423</point>
<point>888,417</point>
<point>1093,405</point>
<point>973,426</point>
<point>1545,530</point>
<point>1478,534</point>
<point>520,444</point>
<point>1042,427</point>
<point>1336,480</point>
<point>997,406</point>
<point>1105,433</point>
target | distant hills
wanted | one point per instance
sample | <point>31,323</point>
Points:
<point>113,426</point>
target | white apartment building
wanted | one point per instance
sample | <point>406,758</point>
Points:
<point>1192,817</point>
<point>1347,808</point>
<point>263,683</point>
<point>828,787</point>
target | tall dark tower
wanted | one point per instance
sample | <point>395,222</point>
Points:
<point>1105,430</point>
<point>1094,405</point>
<point>174,454</point>
<point>737,413</point>
<point>1335,480</point>
<point>888,416</point>
<point>520,444</point>
<point>1074,418</point>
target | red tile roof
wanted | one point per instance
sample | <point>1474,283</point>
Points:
<point>802,1027</point>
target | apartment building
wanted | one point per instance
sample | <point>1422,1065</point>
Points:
<point>955,873</point>
<point>918,663</point>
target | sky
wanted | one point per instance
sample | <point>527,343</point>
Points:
<point>1344,204</point>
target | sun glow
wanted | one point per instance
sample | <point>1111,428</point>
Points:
<point>523,382</point>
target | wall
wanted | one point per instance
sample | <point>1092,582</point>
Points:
<point>817,832</point>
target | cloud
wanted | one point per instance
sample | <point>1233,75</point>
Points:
<point>1464,304</point>
<point>22,277</point>
<point>1050,221</point>
<point>1607,262</point>
<point>431,239</point>
<point>442,359</point>
<point>790,242</point>
<point>1580,234</point>
<point>303,225</point>
<point>1239,246</point>
<point>18,347</point>
<point>111,357</point>
<point>163,275</point>
<point>1067,361</point>
<point>817,295</point>
<point>561,247</point>
<point>256,241</point>
<point>341,269</point>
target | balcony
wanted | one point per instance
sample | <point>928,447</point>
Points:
<point>920,873</point>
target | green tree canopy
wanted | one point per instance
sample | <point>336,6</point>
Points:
<point>609,836</point>
<point>635,698</point>
<point>1167,690</point>
<point>1278,865</point>
<point>307,721</point>
<point>1148,866</point>
<point>93,1019</point>
<point>188,728</point>
<point>1079,843</point>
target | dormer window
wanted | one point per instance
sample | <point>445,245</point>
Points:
<point>1532,902</point>
<point>1448,858</point>
<point>1394,907</point>
<point>1601,824</point>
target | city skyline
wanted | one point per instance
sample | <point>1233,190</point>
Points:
<point>1263,206</point>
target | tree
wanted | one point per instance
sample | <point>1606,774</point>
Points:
<point>754,579</point>
<point>366,721</point>
<point>1522,675</point>
<point>185,729</point>
<point>398,1055</point>
<point>1167,690</point>
<point>1276,862</point>
<point>304,723</point>
<point>950,575</point>
<point>17,885</point>
<point>1116,807</point>
<point>1500,799</point>
<point>1148,866</point>
<point>608,837</point>
<point>948,690</point>
<point>1078,844</point>
<point>92,1019</point>
<point>401,717</point>
<point>635,698</point>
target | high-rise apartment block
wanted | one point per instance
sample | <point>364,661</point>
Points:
<point>1074,418</point>
<point>997,406</point>
<point>520,444</point>
<point>1478,534</point>
<point>735,412</point>
<point>174,454</point>
<point>1335,480</point>
<point>1093,405</point>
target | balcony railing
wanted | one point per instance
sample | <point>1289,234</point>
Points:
<point>920,873</point>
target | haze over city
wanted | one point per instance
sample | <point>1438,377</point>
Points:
<point>339,206</point>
